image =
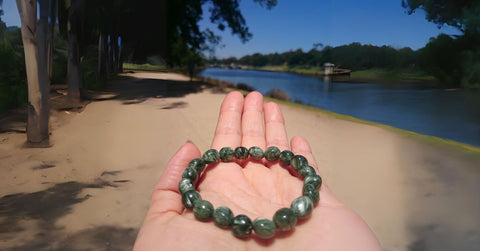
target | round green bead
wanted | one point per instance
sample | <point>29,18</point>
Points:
<point>264,228</point>
<point>285,157</point>
<point>306,171</point>
<point>211,156</point>
<point>226,154</point>
<point>198,164</point>
<point>241,152</point>
<point>314,179</point>
<point>297,162</point>
<point>302,207</point>
<point>190,173</point>
<point>223,217</point>
<point>185,185</point>
<point>312,193</point>
<point>242,226</point>
<point>272,153</point>
<point>203,210</point>
<point>285,219</point>
<point>189,198</point>
<point>256,152</point>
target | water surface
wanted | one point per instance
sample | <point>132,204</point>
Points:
<point>449,114</point>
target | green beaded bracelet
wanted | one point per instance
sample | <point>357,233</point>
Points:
<point>283,220</point>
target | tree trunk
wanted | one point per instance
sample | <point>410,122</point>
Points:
<point>102,56</point>
<point>51,26</point>
<point>38,84</point>
<point>74,70</point>
<point>110,52</point>
<point>114,45</point>
<point>120,59</point>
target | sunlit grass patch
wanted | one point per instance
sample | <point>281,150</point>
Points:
<point>144,67</point>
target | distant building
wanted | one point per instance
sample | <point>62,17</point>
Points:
<point>328,68</point>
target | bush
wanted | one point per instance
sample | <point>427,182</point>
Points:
<point>245,87</point>
<point>13,87</point>
<point>278,94</point>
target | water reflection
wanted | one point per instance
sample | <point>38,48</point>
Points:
<point>448,114</point>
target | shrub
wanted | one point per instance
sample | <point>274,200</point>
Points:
<point>245,87</point>
<point>278,94</point>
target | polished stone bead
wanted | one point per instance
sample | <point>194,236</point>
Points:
<point>306,171</point>
<point>302,207</point>
<point>242,226</point>
<point>285,219</point>
<point>285,157</point>
<point>189,198</point>
<point>203,210</point>
<point>241,152</point>
<point>264,228</point>
<point>298,161</point>
<point>312,193</point>
<point>256,152</point>
<point>226,154</point>
<point>185,185</point>
<point>314,179</point>
<point>272,153</point>
<point>190,173</point>
<point>211,156</point>
<point>198,164</point>
<point>223,217</point>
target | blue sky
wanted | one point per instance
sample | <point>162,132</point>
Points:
<point>300,24</point>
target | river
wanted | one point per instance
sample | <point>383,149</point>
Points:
<point>449,114</point>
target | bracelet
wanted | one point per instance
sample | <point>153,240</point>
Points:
<point>283,220</point>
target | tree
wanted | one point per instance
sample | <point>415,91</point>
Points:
<point>462,64</point>
<point>463,15</point>
<point>34,41</point>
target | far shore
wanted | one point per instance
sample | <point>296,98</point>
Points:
<point>401,78</point>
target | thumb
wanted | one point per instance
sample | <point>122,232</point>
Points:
<point>166,197</point>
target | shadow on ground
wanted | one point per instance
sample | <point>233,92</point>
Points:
<point>129,90</point>
<point>36,213</point>
<point>132,90</point>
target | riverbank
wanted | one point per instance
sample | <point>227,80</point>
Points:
<point>404,78</point>
<point>91,189</point>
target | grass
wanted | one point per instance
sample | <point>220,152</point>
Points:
<point>370,75</point>
<point>309,71</point>
<point>144,67</point>
<point>403,75</point>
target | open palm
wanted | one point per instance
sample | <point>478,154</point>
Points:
<point>255,189</point>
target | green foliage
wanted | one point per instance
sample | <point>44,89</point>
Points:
<point>144,67</point>
<point>60,55</point>
<point>454,62</point>
<point>13,88</point>
<point>353,56</point>
<point>465,14</point>
<point>471,68</point>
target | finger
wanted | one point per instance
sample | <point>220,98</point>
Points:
<point>166,197</point>
<point>300,146</point>
<point>229,129</point>
<point>253,122</point>
<point>275,133</point>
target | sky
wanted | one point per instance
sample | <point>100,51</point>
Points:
<point>294,24</point>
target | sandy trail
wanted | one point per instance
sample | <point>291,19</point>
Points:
<point>91,189</point>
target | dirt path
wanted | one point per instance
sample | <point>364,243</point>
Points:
<point>91,189</point>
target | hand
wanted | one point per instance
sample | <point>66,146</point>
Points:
<point>254,189</point>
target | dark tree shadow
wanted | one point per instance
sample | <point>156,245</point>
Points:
<point>132,90</point>
<point>44,208</point>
